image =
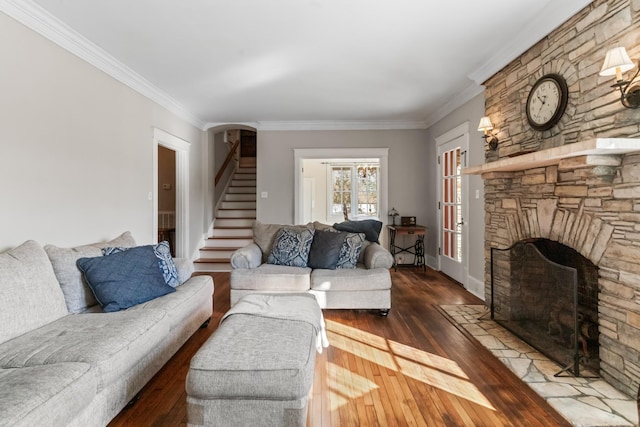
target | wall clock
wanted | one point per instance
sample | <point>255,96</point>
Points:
<point>547,101</point>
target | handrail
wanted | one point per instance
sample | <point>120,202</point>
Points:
<point>226,161</point>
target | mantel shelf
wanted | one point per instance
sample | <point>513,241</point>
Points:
<point>553,156</point>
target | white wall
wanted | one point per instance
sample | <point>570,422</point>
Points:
<point>76,149</point>
<point>472,111</point>
<point>408,166</point>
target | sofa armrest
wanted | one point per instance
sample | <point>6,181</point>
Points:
<point>185,269</point>
<point>375,256</point>
<point>249,256</point>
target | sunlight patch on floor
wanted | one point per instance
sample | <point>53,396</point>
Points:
<point>419,365</point>
<point>345,384</point>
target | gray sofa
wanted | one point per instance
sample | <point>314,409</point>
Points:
<point>64,362</point>
<point>368,286</point>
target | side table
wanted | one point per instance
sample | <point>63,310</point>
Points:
<point>417,248</point>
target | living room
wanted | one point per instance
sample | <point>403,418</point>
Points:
<point>78,143</point>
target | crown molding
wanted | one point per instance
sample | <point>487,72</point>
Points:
<point>42,22</point>
<point>554,14</point>
<point>468,93</point>
<point>341,125</point>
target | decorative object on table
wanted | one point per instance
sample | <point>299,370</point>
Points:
<point>393,213</point>
<point>485,126</point>
<point>615,63</point>
<point>408,220</point>
<point>547,102</point>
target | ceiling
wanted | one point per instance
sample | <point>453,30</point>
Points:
<point>395,63</point>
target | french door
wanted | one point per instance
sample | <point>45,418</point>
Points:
<point>452,234</point>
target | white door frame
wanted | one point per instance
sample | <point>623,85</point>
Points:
<point>462,132</point>
<point>181,147</point>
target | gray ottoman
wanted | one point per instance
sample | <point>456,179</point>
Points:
<point>257,368</point>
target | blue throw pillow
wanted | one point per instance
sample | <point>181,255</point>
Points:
<point>165,261</point>
<point>350,250</point>
<point>291,247</point>
<point>124,279</point>
<point>325,249</point>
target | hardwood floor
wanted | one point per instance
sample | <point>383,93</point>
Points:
<point>412,368</point>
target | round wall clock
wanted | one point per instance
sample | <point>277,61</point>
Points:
<point>547,101</point>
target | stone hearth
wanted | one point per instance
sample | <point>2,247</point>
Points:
<point>585,402</point>
<point>588,202</point>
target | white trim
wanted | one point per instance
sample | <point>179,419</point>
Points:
<point>44,23</point>
<point>341,125</point>
<point>341,153</point>
<point>181,147</point>
<point>459,130</point>
<point>554,14</point>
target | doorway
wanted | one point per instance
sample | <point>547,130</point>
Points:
<point>167,197</point>
<point>180,148</point>
<point>452,205</point>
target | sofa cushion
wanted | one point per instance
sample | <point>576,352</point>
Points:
<point>358,279</point>
<point>124,279</point>
<point>30,295</point>
<point>181,304</point>
<point>271,277</point>
<point>112,343</point>
<point>162,252</point>
<point>49,395</point>
<point>326,249</point>
<point>77,293</point>
<point>291,247</point>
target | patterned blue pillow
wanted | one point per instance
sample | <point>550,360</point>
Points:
<point>291,247</point>
<point>350,250</point>
<point>165,261</point>
<point>124,279</point>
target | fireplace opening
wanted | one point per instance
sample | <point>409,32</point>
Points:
<point>546,293</point>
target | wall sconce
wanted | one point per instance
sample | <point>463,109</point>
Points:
<point>615,63</point>
<point>485,126</point>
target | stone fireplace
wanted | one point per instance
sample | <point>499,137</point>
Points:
<point>585,196</point>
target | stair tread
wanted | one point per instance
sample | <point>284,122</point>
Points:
<point>212,249</point>
<point>229,237</point>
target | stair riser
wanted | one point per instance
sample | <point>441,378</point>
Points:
<point>233,232</point>
<point>211,267</point>
<point>242,190</point>
<point>227,243</point>
<point>244,176</point>
<point>236,222</point>
<point>236,214</point>
<point>246,170</point>
<point>238,205</point>
<point>216,253</point>
<point>243,182</point>
<point>240,197</point>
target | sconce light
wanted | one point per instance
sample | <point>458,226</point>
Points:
<point>485,126</point>
<point>615,63</point>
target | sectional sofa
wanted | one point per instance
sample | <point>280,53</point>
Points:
<point>66,362</point>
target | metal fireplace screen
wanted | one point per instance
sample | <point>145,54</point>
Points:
<point>537,299</point>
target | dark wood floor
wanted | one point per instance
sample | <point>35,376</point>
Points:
<point>412,368</point>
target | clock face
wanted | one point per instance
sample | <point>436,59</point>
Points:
<point>547,102</point>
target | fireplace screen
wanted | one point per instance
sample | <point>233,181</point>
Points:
<point>546,294</point>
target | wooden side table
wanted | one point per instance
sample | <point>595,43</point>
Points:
<point>417,249</point>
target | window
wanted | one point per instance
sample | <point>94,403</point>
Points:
<point>354,189</point>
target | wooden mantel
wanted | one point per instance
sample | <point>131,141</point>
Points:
<point>593,152</point>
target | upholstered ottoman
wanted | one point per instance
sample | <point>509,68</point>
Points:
<point>257,367</point>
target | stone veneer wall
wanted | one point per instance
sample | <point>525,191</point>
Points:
<point>594,209</point>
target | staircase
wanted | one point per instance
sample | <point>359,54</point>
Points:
<point>233,226</point>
